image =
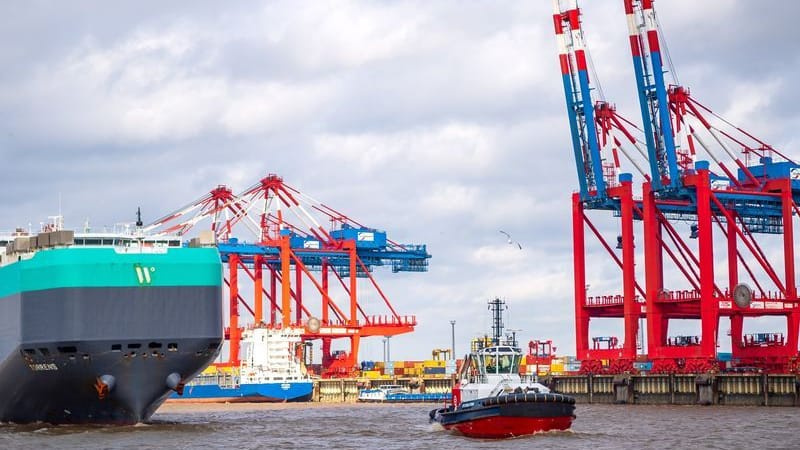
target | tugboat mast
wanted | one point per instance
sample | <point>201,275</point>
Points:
<point>497,307</point>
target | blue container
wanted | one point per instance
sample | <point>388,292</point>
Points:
<point>367,365</point>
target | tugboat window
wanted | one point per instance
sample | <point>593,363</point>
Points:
<point>490,363</point>
<point>505,364</point>
<point>517,362</point>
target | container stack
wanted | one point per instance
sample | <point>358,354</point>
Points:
<point>409,369</point>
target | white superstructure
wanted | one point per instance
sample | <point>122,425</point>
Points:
<point>125,238</point>
<point>494,371</point>
<point>272,354</point>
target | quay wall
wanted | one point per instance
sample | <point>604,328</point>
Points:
<point>674,389</point>
<point>668,389</point>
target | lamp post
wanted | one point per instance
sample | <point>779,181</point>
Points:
<point>384,349</point>
<point>452,339</point>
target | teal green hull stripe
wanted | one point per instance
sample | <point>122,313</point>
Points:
<point>73,267</point>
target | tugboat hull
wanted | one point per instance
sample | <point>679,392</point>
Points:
<point>508,415</point>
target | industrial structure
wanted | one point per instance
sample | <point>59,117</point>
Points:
<point>747,197</point>
<point>294,271</point>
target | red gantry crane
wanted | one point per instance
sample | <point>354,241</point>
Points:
<point>759,199</point>
<point>756,201</point>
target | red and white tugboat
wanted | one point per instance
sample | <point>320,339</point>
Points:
<point>491,400</point>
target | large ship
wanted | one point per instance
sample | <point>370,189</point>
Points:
<point>101,327</point>
<point>271,370</point>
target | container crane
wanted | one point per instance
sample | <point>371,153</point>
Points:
<point>598,133</point>
<point>289,248</point>
<point>759,199</point>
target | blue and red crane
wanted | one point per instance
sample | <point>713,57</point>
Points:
<point>760,199</point>
<point>308,275</point>
<point>597,136</point>
<point>742,206</point>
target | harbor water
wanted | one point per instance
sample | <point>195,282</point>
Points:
<point>405,426</point>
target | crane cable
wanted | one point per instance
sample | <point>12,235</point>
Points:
<point>663,38</point>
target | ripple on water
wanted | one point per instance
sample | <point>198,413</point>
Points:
<point>357,426</point>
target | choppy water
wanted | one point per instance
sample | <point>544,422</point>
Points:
<point>369,426</point>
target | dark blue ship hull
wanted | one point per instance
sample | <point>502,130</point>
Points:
<point>508,415</point>
<point>103,355</point>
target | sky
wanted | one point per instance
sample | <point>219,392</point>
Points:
<point>441,122</point>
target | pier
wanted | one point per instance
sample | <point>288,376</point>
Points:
<point>673,389</point>
<point>668,389</point>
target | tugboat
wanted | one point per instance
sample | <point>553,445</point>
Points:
<point>492,401</point>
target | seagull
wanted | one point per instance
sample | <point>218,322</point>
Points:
<point>511,241</point>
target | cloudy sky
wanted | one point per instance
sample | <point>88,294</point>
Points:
<point>441,122</point>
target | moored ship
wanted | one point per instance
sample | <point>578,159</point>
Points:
<point>271,370</point>
<point>101,327</point>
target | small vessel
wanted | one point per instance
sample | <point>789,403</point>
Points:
<point>395,393</point>
<point>271,370</point>
<point>381,393</point>
<point>492,400</point>
<point>101,327</point>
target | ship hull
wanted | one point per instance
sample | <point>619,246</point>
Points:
<point>293,391</point>
<point>508,415</point>
<point>68,390</point>
<point>105,354</point>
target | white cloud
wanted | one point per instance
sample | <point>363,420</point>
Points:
<point>447,199</point>
<point>749,100</point>
<point>264,107</point>
<point>456,148</point>
<point>345,34</point>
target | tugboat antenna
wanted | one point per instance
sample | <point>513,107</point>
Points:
<point>512,336</point>
<point>139,222</point>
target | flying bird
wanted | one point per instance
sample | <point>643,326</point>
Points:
<point>511,241</point>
